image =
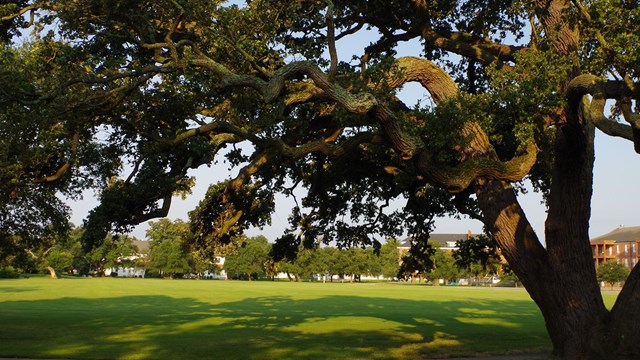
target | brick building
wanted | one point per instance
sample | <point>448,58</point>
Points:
<point>621,245</point>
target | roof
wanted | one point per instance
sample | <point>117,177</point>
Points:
<point>621,234</point>
<point>442,239</point>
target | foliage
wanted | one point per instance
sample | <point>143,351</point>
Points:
<point>478,255</point>
<point>9,272</point>
<point>418,260</point>
<point>390,258</point>
<point>168,254</point>
<point>612,272</point>
<point>250,260</point>
<point>444,266</point>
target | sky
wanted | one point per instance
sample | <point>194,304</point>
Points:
<point>616,197</point>
<point>616,186</point>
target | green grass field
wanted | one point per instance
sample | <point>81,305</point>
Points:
<point>188,319</point>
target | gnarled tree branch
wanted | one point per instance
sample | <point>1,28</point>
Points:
<point>601,90</point>
<point>467,45</point>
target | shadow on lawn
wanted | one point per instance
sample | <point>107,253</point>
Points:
<point>161,327</point>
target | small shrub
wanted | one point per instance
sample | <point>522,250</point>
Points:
<point>9,272</point>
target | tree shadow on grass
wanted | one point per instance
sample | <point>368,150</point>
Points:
<point>163,327</point>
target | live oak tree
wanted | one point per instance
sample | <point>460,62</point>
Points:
<point>127,96</point>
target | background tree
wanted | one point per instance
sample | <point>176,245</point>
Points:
<point>329,262</point>
<point>478,255</point>
<point>444,267</point>
<point>390,258</point>
<point>300,266</point>
<point>357,263</point>
<point>612,272</point>
<point>168,253</point>
<point>516,90</point>
<point>109,254</point>
<point>249,260</point>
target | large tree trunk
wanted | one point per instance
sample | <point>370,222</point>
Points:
<point>569,299</point>
<point>561,279</point>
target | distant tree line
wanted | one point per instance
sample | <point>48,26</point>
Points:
<point>171,254</point>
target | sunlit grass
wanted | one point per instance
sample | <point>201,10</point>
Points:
<point>185,319</point>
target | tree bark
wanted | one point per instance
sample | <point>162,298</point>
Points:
<point>569,299</point>
<point>561,279</point>
<point>52,272</point>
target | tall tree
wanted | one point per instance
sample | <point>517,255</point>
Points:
<point>516,91</point>
<point>444,266</point>
<point>390,258</point>
<point>250,259</point>
<point>168,253</point>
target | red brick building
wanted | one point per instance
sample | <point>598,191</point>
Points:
<point>621,245</point>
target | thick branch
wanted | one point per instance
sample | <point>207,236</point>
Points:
<point>158,213</point>
<point>467,45</point>
<point>429,75</point>
<point>554,20</point>
<point>271,90</point>
<point>22,11</point>
<point>66,166</point>
<point>458,178</point>
<point>331,37</point>
<point>601,90</point>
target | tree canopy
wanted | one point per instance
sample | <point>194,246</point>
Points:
<point>612,272</point>
<point>127,96</point>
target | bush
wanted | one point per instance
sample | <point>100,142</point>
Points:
<point>9,272</point>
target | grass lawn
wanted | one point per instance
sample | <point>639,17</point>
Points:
<point>112,318</point>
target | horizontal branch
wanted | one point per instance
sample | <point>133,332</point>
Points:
<point>22,11</point>
<point>483,50</point>
<point>458,178</point>
<point>158,213</point>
